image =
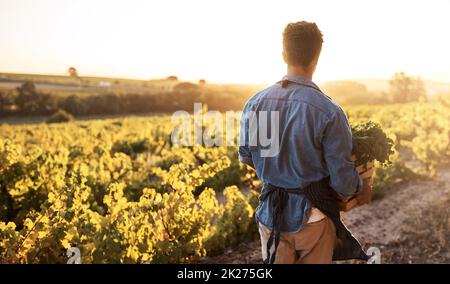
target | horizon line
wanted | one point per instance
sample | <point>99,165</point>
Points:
<point>213,82</point>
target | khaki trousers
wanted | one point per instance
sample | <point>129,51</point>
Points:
<point>314,243</point>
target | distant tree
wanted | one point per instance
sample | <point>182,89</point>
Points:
<point>172,78</point>
<point>27,87</point>
<point>7,104</point>
<point>404,88</point>
<point>74,74</point>
<point>74,105</point>
<point>202,82</point>
<point>30,101</point>
<point>27,99</point>
<point>47,104</point>
<point>4,100</point>
<point>109,103</point>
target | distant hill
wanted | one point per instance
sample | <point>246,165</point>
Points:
<point>363,91</point>
<point>66,83</point>
<point>379,85</point>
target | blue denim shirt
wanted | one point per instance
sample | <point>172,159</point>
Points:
<point>315,142</point>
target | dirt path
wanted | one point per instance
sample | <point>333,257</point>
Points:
<point>411,224</point>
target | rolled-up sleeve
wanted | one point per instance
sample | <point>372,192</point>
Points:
<point>337,147</point>
<point>245,156</point>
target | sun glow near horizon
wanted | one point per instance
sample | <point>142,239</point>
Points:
<point>222,41</point>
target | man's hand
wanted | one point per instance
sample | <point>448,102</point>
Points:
<point>366,172</point>
<point>365,195</point>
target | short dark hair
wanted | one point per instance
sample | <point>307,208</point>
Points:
<point>302,41</point>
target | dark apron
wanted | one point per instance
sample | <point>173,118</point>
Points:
<point>324,198</point>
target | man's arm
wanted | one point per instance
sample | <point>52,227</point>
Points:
<point>337,148</point>
<point>245,156</point>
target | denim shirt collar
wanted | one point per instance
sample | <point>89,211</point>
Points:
<point>301,81</point>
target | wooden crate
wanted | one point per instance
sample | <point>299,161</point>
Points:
<point>352,202</point>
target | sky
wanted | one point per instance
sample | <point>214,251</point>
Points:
<point>222,40</point>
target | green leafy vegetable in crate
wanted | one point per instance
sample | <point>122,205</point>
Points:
<point>370,142</point>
